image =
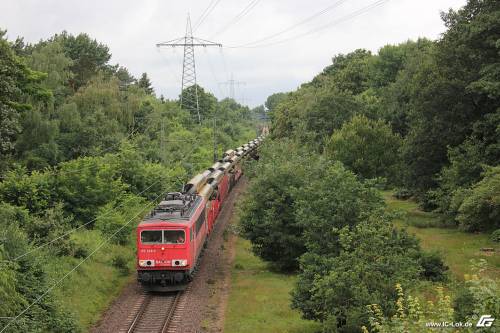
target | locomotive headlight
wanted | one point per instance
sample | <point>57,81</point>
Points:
<point>146,263</point>
<point>179,262</point>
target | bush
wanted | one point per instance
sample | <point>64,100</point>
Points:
<point>373,257</point>
<point>480,208</point>
<point>86,184</point>
<point>402,194</point>
<point>22,281</point>
<point>433,267</point>
<point>463,304</point>
<point>410,315</point>
<point>80,251</point>
<point>495,236</point>
<point>121,262</point>
<point>118,218</point>
<point>34,191</point>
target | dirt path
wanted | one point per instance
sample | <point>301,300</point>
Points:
<point>205,301</point>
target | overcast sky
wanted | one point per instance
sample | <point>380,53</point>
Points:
<point>280,63</point>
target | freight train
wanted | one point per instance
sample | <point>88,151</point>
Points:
<point>170,241</point>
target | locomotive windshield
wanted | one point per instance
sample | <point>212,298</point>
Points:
<point>151,236</point>
<point>174,236</point>
<point>163,237</point>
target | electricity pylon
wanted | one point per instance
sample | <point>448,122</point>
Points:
<point>189,92</point>
<point>232,82</point>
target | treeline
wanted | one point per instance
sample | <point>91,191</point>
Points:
<point>422,116</point>
<point>85,145</point>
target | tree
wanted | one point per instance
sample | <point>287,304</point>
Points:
<point>49,57</point>
<point>453,90</point>
<point>373,256</point>
<point>291,208</point>
<point>16,80</point>
<point>206,102</point>
<point>268,217</point>
<point>86,184</point>
<point>273,101</point>
<point>348,72</point>
<point>367,147</point>
<point>88,56</point>
<point>145,84</point>
<point>478,207</point>
<point>26,280</point>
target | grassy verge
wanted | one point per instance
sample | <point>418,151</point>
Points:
<point>260,299</point>
<point>456,247</point>
<point>89,290</point>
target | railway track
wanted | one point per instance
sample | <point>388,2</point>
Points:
<point>155,313</point>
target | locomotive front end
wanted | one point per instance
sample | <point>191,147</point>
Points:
<point>163,256</point>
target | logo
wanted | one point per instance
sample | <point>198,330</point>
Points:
<point>485,321</point>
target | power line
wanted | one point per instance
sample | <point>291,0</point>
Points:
<point>78,265</point>
<point>321,28</point>
<point>294,26</point>
<point>212,71</point>
<point>81,226</point>
<point>205,14</point>
<point>238,17</point>
<point>90,255</point>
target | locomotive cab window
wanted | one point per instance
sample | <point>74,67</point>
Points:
<point>151,237</point>
<point>174,236</point>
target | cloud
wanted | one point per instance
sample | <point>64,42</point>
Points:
<point>132,28</point>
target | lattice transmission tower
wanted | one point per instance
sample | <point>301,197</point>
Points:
<point>232,83</point>
<point>189,93</point>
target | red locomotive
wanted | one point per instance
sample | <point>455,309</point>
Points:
<point>171,240</point>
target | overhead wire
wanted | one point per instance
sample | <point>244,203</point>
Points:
<point>206,13</point>
<point>238,17</point>
<point>69,232</point>
<point>296,25</point>
<point>48,290</point>
<point>321,28</point>
<point>212,71</point>
<point>54,285</point>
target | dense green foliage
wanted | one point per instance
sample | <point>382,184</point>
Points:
<point>335,288</point>
<point>424,116</point>
<point>85,150</point>
<point>367,147</point>
<point>480,296</point>
<point>290,206</point>
<point>440,97</point>
<point>304,209</point>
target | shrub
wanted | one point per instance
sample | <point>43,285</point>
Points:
<point>495,236</point>
<point>480,208</point>
<point>34,191</point>
<point>86,184</point>
<point>433,267</point>
<point>410,315</point>
<point>118,218</point>
<point>373,257</point>
<point>121,262</point>
<point>402,194</point>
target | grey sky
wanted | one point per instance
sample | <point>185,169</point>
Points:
<point>132,28</point>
